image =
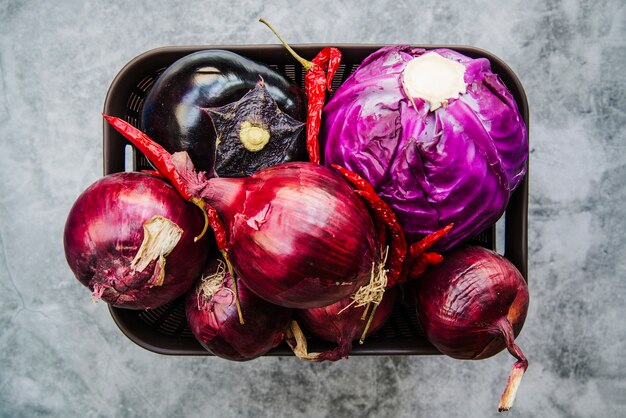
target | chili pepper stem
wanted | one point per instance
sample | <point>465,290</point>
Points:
<point>235,291</point>
<point>200,204</point>
<point>306,64</point>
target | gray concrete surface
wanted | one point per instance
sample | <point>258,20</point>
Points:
<point>62,356</point>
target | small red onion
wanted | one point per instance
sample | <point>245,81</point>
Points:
<point>472,306</point>
<point>129,238</point>
<point>342,322</point>
<point>214,321</point>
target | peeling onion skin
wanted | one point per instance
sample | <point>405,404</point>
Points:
<point>472,306</point>
<point>299,235</point>
<point>104,231</point>
<point>331,324</point>
<point>215,323</point>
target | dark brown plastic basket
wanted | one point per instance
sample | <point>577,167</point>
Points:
<point>164,330</point>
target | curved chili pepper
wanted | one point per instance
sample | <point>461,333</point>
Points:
<point>316,83</point>
<point>420,259</point>
<point>382,213</point>
<point>154,173</point>
<point>162,160</point>
<point>421,264</point>
<point>428,241</point>
<point>318,78</point>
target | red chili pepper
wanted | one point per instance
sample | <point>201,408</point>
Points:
<point>155,173</point>
<point>419,258</point>
<point>384,214</point>
<point>216,224</point>
<point>318,79</point>
<point>316,82</point>
<point>154,152</point>
<point>421,264</point>
<point>162,160</point>
<point>425,243</point>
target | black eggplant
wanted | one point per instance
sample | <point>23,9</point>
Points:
<point>173,112</point>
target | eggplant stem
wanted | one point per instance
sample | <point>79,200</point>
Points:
<point>202,205</point>
<point>232,275</point>
<point>306,64</point>
<point>369,322</point>
<point>520,366</point>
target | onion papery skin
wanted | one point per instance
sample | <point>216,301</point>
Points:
<point>341,324</point>
<point>215,323</point>
<point>105,229</point>
<point>462,301</point>
<point>299,235</point>
<point>457,164</point>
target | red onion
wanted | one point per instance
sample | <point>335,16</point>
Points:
<point>129,238</point>
<point>472,306</point>
<point>342,322</point>
<point>299,235</point>
<point>213,318</point>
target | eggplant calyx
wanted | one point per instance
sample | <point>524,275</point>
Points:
<point>253,133</point>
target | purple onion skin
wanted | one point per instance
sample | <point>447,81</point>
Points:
<point>467,303</point>
<point>104,231</point>
<point>458,164</point>
<point>343,328</point>
<point>215,323</point>
<point>299,235</point>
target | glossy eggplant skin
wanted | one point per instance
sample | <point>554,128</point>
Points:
<point>172,111</point>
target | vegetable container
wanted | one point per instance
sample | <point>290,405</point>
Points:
<point>164,330</point>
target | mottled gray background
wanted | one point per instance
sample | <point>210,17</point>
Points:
<point>61,355</point>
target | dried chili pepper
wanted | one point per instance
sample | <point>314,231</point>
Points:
<point>318,78</point>
<point>421,264</point>
<point>419,258</point>
<point>154,173</point>
<point>162,160</point>
<point>382,213</point>
<point>428,241</point>
<point>164,164</point>
<point>316,82</point>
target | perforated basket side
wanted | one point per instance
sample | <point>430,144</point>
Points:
<point>164,330</point>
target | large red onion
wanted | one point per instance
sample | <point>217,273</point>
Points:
<point>129,238</point>
<point>299,235</point>
<point>342,322</point>
<point>214,321</point>
<point>472,306</point>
